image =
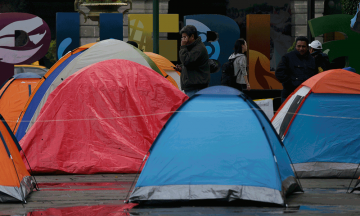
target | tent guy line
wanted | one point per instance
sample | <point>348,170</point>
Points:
<point>136,116</point>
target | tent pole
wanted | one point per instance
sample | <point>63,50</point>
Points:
<point>31,172</point>
<point>22,193</point>
<point>127,196</point>
<point>310,15</point>
<point>353,178</point>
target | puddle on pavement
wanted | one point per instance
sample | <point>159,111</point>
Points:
<point>321,209</point>
<point>98,210</point>
<point>76,186</point>
<point>232,211</point>
<point>132,210</point>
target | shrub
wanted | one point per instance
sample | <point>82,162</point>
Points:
<point>51,54</point>
<point>292,48</point>
<point>349,6</point>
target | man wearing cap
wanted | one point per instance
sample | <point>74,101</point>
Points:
<point>295,67</point>
<point>321,59</point>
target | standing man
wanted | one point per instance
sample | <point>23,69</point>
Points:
<point>295,67</point>
<point>321,59</point>
<point>194,68</point>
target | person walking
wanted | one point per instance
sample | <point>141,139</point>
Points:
<point>194,68</point>
<point>295,67</point>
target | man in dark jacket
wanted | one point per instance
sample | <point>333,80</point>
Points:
<point>295,67</point>
<point>321,59</point>
<point>195,68</point>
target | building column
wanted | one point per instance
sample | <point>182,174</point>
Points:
<point>299,17</point>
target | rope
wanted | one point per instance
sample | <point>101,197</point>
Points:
<point>292,164</point>
<point>171,112</point>
<point>22,193</point>
<point>137,173</point>
<point>31,172</point>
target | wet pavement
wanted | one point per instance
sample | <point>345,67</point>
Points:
<point>104,195</point>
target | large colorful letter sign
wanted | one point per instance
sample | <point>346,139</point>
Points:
<point>37,42</point>
<point>228,32</point>
<point>67,32</point>
<point>338,23</point>
<point>141,28</point>
<point>111,26</point>
<point>258,38</point>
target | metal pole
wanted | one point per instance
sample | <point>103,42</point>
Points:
<point>310,15</point>
<point>156,26</point>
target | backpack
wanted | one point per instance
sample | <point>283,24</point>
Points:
<point>228,78</point>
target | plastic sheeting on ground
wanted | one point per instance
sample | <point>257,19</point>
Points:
<point>102,119</point>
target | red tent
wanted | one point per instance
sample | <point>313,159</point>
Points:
<point>102,119</point>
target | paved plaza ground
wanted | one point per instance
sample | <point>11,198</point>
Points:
<point>104,194</point>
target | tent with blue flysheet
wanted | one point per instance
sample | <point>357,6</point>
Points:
<point>319,125</point>
<point>219,145</point>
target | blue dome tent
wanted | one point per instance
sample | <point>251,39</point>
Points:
<point>219,145</point>
<point>319,125</point>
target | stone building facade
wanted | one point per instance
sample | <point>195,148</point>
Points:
<point>299,17</point>
<point>89,31</point>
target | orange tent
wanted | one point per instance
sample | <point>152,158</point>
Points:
<point>160,60</point>
<point>337,81</point>
<point>167,76</point>
<point>166,65</point>
<point>14,94</point>
<point>15,181</point>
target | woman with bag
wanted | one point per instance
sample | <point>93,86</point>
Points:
<point>240,65</point>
